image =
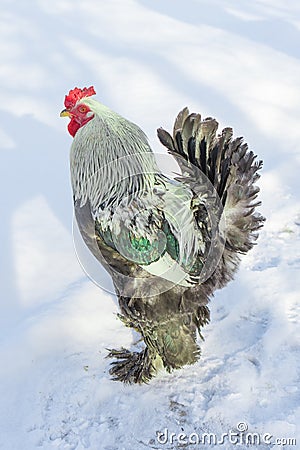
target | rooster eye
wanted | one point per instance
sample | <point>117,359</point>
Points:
<point>82,109</point>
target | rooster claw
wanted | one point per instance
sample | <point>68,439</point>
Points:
<point>131,367</point>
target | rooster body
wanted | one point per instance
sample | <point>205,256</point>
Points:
<point>167,244</point>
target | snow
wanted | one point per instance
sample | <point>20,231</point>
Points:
<point>238,62</point>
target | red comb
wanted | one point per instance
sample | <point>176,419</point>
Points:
<point>76,94</point>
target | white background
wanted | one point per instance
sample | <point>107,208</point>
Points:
<point>236,61</point>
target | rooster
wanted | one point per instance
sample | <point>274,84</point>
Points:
<point>168,244</point>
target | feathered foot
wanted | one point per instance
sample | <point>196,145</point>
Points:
<point>132,367</point>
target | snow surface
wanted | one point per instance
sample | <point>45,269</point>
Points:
<point>236,61</point>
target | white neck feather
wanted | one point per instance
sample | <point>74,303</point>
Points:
<point>110,159</point>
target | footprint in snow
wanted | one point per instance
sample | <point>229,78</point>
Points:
<point>263,265</point>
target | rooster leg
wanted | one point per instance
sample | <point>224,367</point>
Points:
<point>132,367</point>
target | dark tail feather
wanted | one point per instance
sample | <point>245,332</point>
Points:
<point>230,167</point>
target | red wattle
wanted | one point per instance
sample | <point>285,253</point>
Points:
<point>73,127</point>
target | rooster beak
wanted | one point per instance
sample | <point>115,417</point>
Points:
<point>65,113</point>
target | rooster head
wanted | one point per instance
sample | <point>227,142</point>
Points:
<point>75,108</point>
